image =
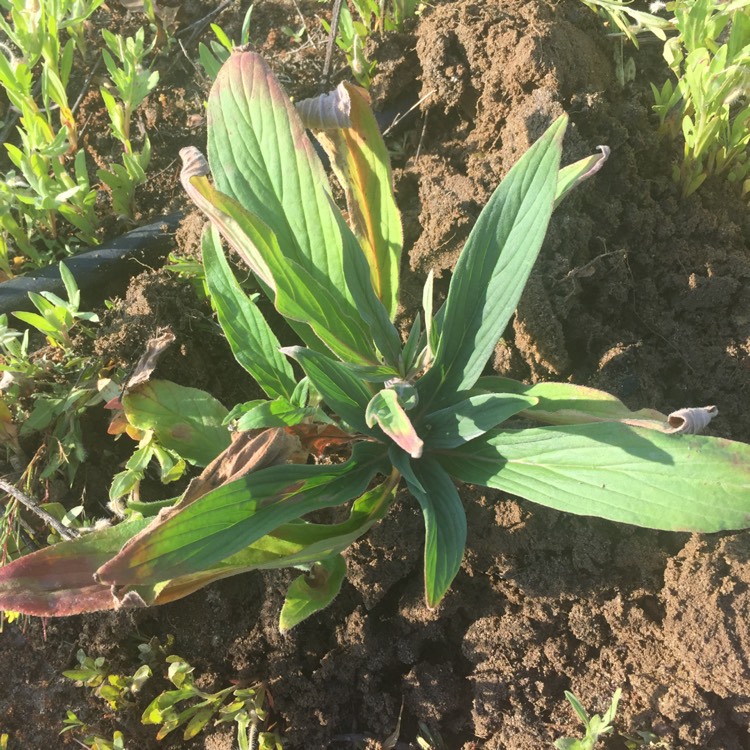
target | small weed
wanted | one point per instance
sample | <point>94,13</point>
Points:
<point>710,104</point>
<point>47,392</point>
<point>645,740</point>
<point>369,17</point>
<point>429,740</point>
<point>596,726</point>
<point>50,178</point>
<point>132,82</point>
<point>213,56</point>
<point>162,18</point>
<point>621,15</point>
<point>57,317</point>
<point>47,202</point>
<point>90,738</point>
<point>186,706</point>
<point>707,103</point>
<point>115,689</point>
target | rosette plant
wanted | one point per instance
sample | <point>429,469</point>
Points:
<point>418,412</point>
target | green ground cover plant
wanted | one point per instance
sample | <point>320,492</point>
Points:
<point>710,103</point>
<point>47,391</point>
<point>132,82</point>
<point>417,411</point>
<point>596,726</point>
<point>707,103</point>
<point>351,30</point>
<point>216,53</point>
<point>47,198</point>
<point>49,178</point>
<point>181,706</point>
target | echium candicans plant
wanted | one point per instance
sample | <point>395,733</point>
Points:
<point>418,412</point>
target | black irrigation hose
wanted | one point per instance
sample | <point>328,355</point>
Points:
<point>100,273</point>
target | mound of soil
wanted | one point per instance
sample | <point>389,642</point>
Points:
<point>637,291</point>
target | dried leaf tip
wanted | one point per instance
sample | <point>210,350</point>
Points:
<point>194,164</point>
<point>327,111</point>
<point>691,421</point>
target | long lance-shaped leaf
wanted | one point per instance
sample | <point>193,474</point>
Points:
<point>261,156</point>
<point>247,235</point>
<point>312,592</point>
<point>615,471</point>
<point>186,420</point>
<point>295,543</point>
<point>493,268</point>
<point>567,403</point>
<point>444,521</point>
<point>296,294</point>
<point>224,521</point>
<point>472,417</point>
<point>385,410</point>
<point>253,343</point>
<point>345,393</point>
<point>345,126</point>
<point>371,309</point>
<point>59,580</point>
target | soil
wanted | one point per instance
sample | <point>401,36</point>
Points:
<point>637,291</point>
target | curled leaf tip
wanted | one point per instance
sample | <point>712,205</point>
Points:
<point>327,111</point>
<point>194,164</point>
<point>691,421</point>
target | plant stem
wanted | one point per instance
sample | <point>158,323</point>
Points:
<point>335,13</point>
<point>27,502</point>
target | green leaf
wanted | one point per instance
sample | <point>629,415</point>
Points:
<point>38,322</point>
<point>493,268</point>
<point>615,471</point>
<point>277,413</point>
<point>295,292</point>
<point>373,373</point>
<point>261,156</point>
<point>312,592</point>
<point>414,342</point>
<point>371,309</point>
<point>385,410</point>
<point>566,403</point>
<point>468,419</point>
<point>186,420</point>
<point>444,521</point>
<point>71,288</point>
<point>197,722</point>
<point>342,391</point>
<point>302,542</point>
<point>345,126</point>
<point>295,543</point>
<point>225,520</point>
<point>253,343</point>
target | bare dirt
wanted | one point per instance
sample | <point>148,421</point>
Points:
<point>637,291</point>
